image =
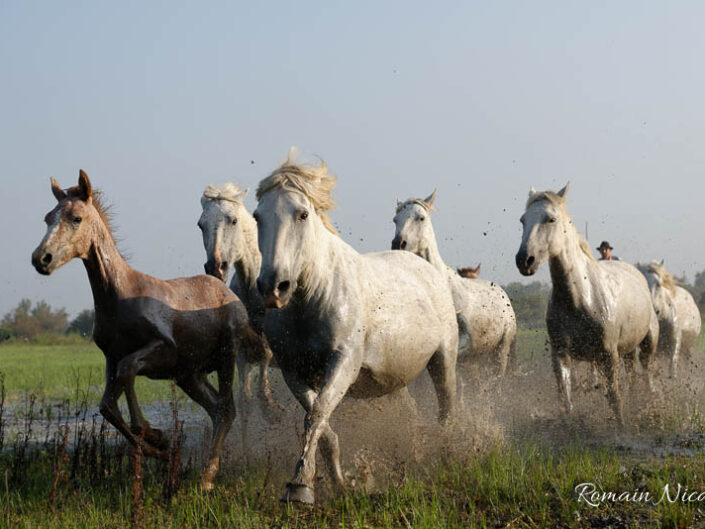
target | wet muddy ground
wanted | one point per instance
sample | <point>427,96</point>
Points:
<point>383,438</point>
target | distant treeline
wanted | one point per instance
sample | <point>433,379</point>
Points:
<point>29,322</point>
<point>42,322</point>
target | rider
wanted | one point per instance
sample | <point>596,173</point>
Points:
<point>606,252</point>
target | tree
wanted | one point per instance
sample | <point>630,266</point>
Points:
<point>530,303</point>
<point>83,323</point>
<point>27,322</point>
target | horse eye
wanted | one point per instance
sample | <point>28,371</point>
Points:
<point>552,219</point>
<point>303,215</point>
<point>234,221</point>
<point>77,220</point>
<point>422,218</point>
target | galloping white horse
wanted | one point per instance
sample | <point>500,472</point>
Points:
<point>230,240</point>
<point>366,325</point>
<point>678,315</point>
<point>597,310</point>
<point>486,320</point>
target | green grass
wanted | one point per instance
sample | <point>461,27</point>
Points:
<point>521,486</point>
<point>54,372</point>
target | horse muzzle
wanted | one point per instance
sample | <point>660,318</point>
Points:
<point>42,262</point>
<point>526,264</point>
<point>398,243</point>
<point>276,297</point>
<point>217,269</point>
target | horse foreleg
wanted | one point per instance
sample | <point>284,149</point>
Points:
<point>675,356</point>
<point>609,367</point>
<point>109,409</point>
<point>561,368</point>
<point>629,359</point>
<point>152,358</point>
<point>341,372</point>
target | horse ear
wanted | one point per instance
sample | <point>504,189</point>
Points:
<point>563,191</point>
<point>430,198</point>
<point>532,191</point>
<point>59,193</point>
<point>84,185</point>
<point>399,203</point>
<point>477,268</point>
<point>661,263</point>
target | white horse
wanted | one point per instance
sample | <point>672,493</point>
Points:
<point>364,325</point>
<point>678,315</point>
<point>486,320</point>
<point>598,310</point>
<point>230,240</point>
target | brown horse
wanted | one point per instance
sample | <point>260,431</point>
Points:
<point>470,272</point>
<point>181,329</point>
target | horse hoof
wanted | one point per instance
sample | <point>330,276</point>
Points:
<point>298,494</point>
<point>153,437</point>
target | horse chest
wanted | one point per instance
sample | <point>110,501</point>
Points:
<point>300,345</point>
<point>578,329</point>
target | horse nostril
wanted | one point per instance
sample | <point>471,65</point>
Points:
<point>46,258</point>
<point>402,245</point>
<point>530,261</point>
<point>223,265</point>
<point>283,286</point>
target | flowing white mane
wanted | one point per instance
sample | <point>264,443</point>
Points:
<point>667,279</point>
<point>311,180</point>
<point>229,192</point>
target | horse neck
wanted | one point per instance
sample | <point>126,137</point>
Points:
<point>248,264</point>
<point>431,254</point>
<point>329,262</point>
<point>570,270</point>
<point>107,269</point>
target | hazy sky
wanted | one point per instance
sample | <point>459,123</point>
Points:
<point>481,100</point>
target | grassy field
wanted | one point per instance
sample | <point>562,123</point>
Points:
<point>512,483</point>
<point>54,372</point>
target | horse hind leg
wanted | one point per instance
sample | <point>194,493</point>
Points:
<point>265,388</point>
<point>221,411</point>
<point>507,349</point>
<point>441,368</point>
<point>647,350</point>
<point>244,398</point>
